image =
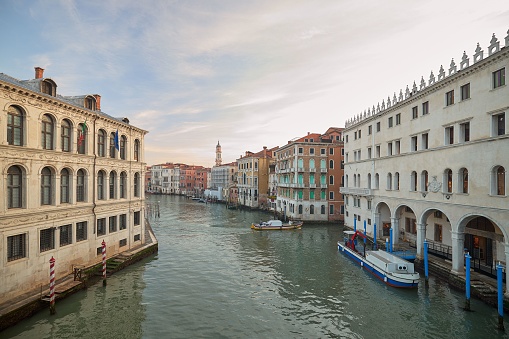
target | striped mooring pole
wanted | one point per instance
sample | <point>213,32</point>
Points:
<point>104,262</point>
<point>52,286</point>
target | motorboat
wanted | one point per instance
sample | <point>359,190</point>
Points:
<point>277,225</point>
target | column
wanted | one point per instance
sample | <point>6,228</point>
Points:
<point>395,230</point>
<point>421,235</point>
<point>458,245</point>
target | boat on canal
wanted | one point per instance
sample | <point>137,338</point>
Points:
<point>389,268</point>
<point>277,225</point>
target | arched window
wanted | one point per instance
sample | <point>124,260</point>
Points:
<point>312,209</point>
<point>358,180</point>
<point>112,183</point>
<point>100,185</point>
<point>389,181</point>
<point>354,180</point>
<point>137,151</point>
<point>346,180</point>
<point>322,163</point>
<point>15,126</point>
<point>14,187</point>
<point>64,186</point>
<point>413,181</point>
<point>80,186</point>
<point>65,135</point>
<point>331,163</point>
<point>47,130</point>
<point>396,181</point>
<point>123,185</point>
<point>82,138</point>
<point>113,150</point>
<point>322,209</point>
<point>46,186</point>
<point>499,180</point>
<point>136,184</point>
<point>331,180</point>
<point>369,180</point>
<point>101,146</point>
<point>463,180</point>
<point>424,181</point>
<point>300,209</point>
<point>123,142</point>
<point>377,181</point>
<point>311,163</point>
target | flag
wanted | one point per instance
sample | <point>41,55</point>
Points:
<point>117,146</point>
<point>82,133</point>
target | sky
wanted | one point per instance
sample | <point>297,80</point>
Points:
<point>244,73</point>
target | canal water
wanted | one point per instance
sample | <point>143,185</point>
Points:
<point>216,278</point>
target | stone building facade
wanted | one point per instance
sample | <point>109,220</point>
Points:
<point>432,162</point>
<point>71,177</point>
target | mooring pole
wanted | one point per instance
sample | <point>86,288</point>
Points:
<point>467,281</point>
<point>390,240</point>
<point>426,271</point>
<point>374,235</point>
<point>364,235</point>
<point>104,262</point>
<point>500,298</point>
<point>355,224</point>
<point>52,286</point>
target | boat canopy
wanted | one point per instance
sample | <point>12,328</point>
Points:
<point>274,223</point>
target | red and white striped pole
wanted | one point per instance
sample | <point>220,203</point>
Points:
<point>52,286</point>
<point>104,263</point>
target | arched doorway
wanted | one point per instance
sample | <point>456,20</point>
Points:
<point>485,243</point>
<point>383,220</point>
<point>407,220</point>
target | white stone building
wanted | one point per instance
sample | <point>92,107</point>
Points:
<point>71,177</point>
<point>432,163</point>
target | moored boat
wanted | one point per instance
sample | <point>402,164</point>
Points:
<point>391,269</point>
<point>277,225</point>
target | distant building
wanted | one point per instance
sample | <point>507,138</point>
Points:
<point>253,178</point>
<point>72,176</point>
<point>309,172</point>
<point>432,163</point>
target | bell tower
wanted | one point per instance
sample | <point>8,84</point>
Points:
<point>218,154</point>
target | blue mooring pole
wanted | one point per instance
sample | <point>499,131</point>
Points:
<point>364,232</point>
<point>426,271</point>
<point>390,240</point>
<point>500,298</point>
<point>374,236</point>
<point>355,224</point>
<point>467,281</point>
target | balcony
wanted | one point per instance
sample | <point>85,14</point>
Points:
<point>356,191</point>
<point>300,169</point>
<point>324,185</point>
<point>323,170</point>
<point>312,170</point>
<point>312,185</point>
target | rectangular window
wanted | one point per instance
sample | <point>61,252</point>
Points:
<point>498,121</point>
<point>322,150</point>
<point>16,247</point>
<point>113,224</point>
<point>398,119</point>
<point>415,112</point>
<point>311,151</point>
<point>369,152</point>
<point>47,240</point>
<point>81,231</point>
<point>331,151</point>
<point>377,151</point>
<point>331,195</point>
<point>123,221</point>
<point>397,147</point>
<point>425,108</point>
<point>360,133</point>
<point>122,243</point>
<point>101,226</point>
<point>369,208</point>
<point>354,135</point>
<point>465,132</point>
<point>389,148</point>
<point>370,128</point>
<point>331,209</point>
<point>390,122</point>
<point>136,218</point>
<point>465,92</point>
<point>449,135</point>
<point>378,126</point>
<point>449,98</point>
<point>424,143</point>
<point>301,150</point>
<point>499,78</point>
<point>137,237</point>
<point>413,144</point>
<point>65,235</point>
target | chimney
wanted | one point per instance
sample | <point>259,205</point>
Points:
<point>39,72</point>
<point>97,102</point>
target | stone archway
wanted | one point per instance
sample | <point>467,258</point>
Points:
<point>405,224</point>
<point>383,220</point>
